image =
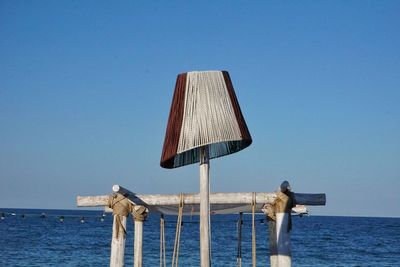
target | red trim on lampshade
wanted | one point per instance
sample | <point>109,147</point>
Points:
<point>174,123</point>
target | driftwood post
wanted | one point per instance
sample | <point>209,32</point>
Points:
<point>204,208</point>
<point>118,242</point>
<point>121,208</point>
<point>138,249</point>
<point>280,222</point>
<point>139,214</point>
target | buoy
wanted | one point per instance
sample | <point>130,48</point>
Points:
<point>61,218</point>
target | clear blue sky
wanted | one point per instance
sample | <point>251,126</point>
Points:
<point>86,87</point>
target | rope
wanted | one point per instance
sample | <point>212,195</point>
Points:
<point>139,213</point>
<point>239,247</point>
<point>269,211</point>
<point>175,255</point>
<point>163,262</point>
<point>121,207</point>
<point>253,230</point>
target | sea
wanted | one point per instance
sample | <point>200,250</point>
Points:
<point>36,237</point>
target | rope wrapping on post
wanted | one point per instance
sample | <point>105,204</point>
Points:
<point>121,207</point>
<point>139,213</point>
<point>269,210</point>
<point>283,204</point>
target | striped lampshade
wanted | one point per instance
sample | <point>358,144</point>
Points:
<point>204,112</point>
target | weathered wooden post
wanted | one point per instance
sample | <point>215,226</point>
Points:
<point>273,244</point>
<point>121,208</point>
<point>280,222</point>
<point>204,208</point>
<point>139,214</point>
<point>118,242</point>
<point>279,226</point>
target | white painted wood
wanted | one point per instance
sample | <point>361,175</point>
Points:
<point>116,188</point>
<point>92,201</point>
<point>300,209</point>
<point>279,241</point>
<point>138,244</point>
<point>204,208</point>
<point>118,244</point>
<point>192,199</point>
<point>122,190</point>
<point>149,200</point>
<point>108,210</point>
<point>284,253</point>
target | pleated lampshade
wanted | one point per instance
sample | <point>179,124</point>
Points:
<point>204,112</point>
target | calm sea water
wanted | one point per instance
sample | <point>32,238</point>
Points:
<point>316,240</point>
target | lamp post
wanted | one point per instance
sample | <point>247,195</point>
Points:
<point>205,122</point>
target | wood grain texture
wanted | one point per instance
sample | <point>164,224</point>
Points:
<point>118,243</point>
<point>149,200</point>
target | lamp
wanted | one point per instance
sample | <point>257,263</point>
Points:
<point>205,122</point>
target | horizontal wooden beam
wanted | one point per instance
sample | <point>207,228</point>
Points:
<point>149,200</point>
<point>92,201</point>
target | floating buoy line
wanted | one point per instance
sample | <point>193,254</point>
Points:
<point>82,219</point>
<point>60,218</point>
